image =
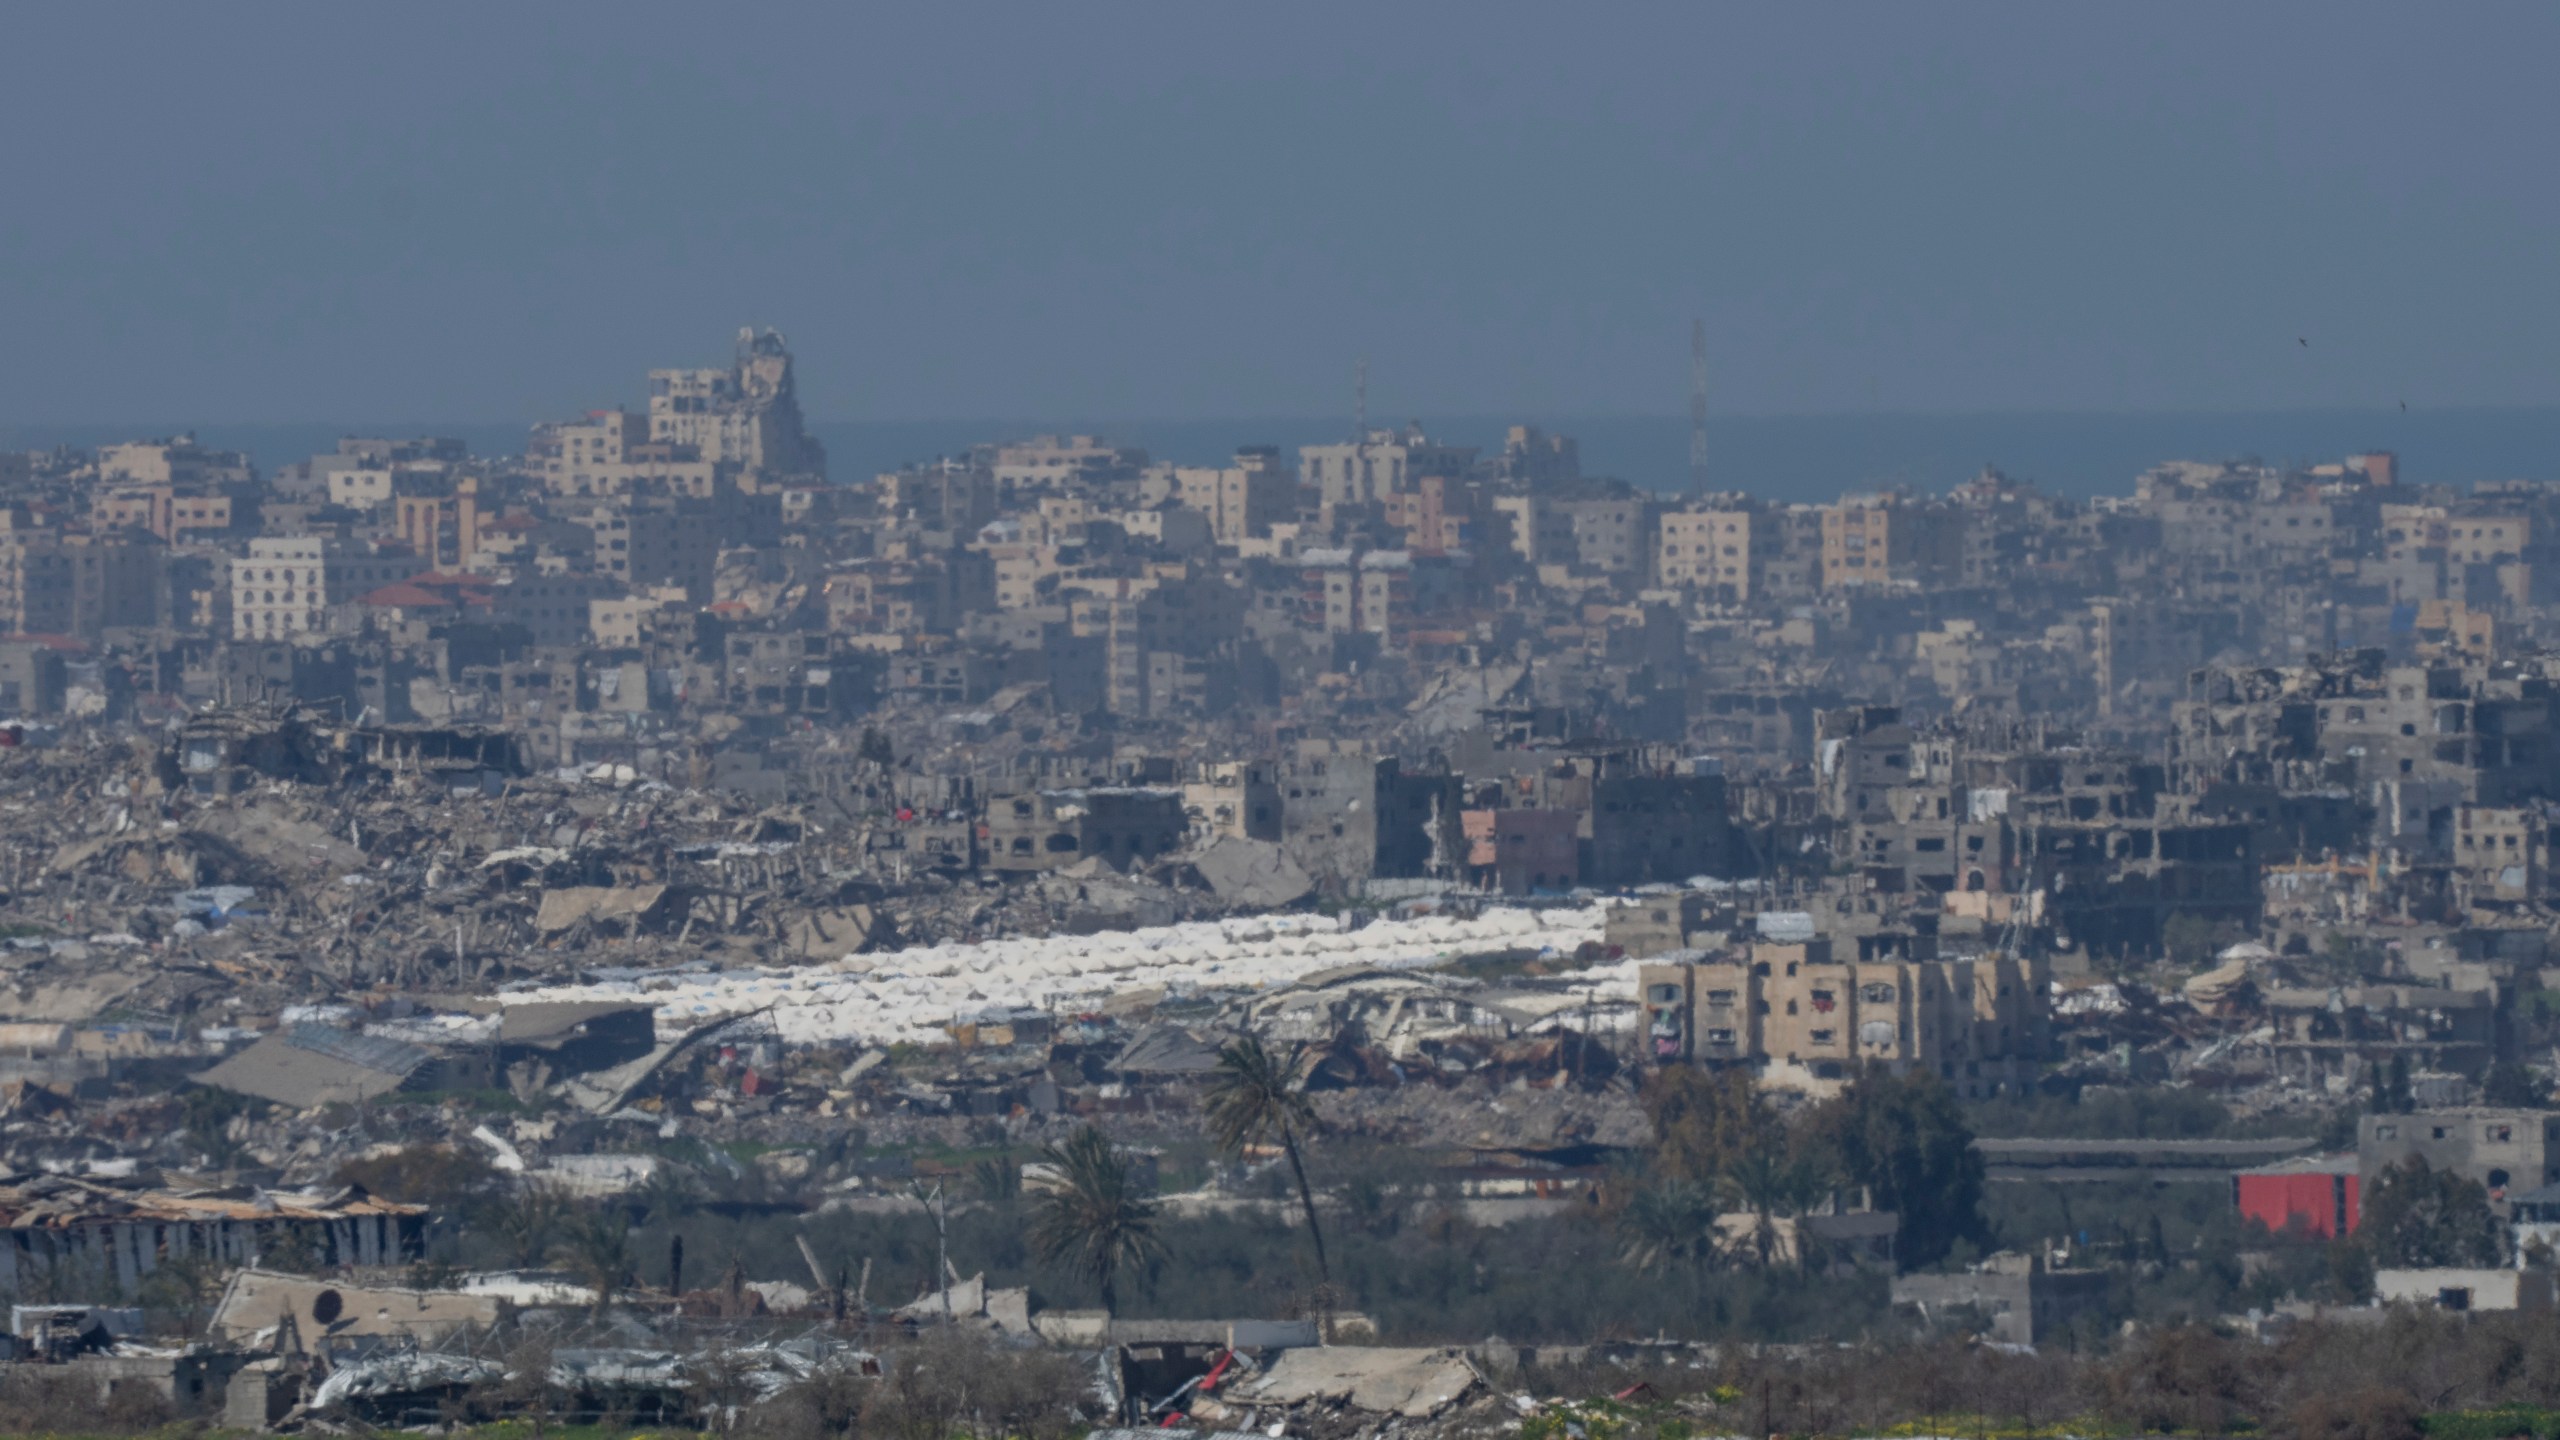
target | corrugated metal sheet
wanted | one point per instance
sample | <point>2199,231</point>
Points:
<point>374,1052</point>
<point>61,1202</point>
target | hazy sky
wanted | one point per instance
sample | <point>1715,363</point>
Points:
<point>271,212</point>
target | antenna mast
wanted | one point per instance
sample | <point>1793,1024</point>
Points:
<point>1697,407</point>
<point>1360,402</point>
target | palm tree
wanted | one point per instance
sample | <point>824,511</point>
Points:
<point>997,1178</point>
<point>597,1249</point>
<point>1256,1097</point>
<point>526,1223</point>
<point>1765,1181</point>
<point>1666,1225</point>
<point>1089,1214</point>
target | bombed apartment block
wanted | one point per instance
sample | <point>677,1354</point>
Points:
<point>1666,920</point>
<point>1120,825</point>
<point>2502,856</point>
<point>2486,728</point>
<point>2113,888</point>
<point>2345,1035</point>
<point>1518,851</point>
<point>224,752</point>
<point>33,680</point>
<point>1347,816</point>
<point>1663,828</point>
<point>2507,1151</point>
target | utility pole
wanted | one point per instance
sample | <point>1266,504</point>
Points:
<point>1697,407</point>
<point>940,1209</point>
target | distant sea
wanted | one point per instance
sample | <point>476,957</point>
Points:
<point>1782,457</point>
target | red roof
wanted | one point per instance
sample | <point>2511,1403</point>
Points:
<point>430,589</point>
<point>405,595</point>
<point>68,644</point>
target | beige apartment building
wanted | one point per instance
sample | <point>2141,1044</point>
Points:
<point>1717,552</point>
<point>1052,462</point>
<point>176,515</point>
<point>1025,575</point>
<point>2410,530</point>
<point>1803,1019</point>
<point>360,487</point>
<point>1385,463</point>
<point>1862,541</point>
<point>1370,592</point>
<point>1243,501</point>
<point>56,584</point>
<point>612,452</point>
<point>180,462</point>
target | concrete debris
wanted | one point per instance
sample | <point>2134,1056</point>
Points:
<point>1414,1384</point>
<point>593,904</point>
<point>1252,873</point>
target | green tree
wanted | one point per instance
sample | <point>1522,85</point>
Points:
<point>1905,1139</point>
<point>1256,1097</point>
<point>2513,1087</point>
<point>2391,1093</point>
<point>2417,1217</point>
<point>527,1222</point>
<point>1702,1120</point>
<point>1767,1182</point>
<point>1088,1214</point>
<point>1668,1226</point>
<point>2185,1380</point>
<point>596,1248</point>
<point>996,1179</point>
<point>2366,1412</point>
<point>183,1290</point>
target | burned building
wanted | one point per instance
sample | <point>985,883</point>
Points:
<point>1347,816</point>
<point>119,1233</point>
<point>1121,826</point>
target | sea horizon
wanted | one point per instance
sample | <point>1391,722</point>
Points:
<point>1779,457</point>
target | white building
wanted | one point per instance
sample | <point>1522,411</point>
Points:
<point>284,586</point>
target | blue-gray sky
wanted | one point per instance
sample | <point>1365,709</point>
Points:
<point>281,212</point>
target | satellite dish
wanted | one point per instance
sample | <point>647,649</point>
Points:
<point>327,1306</point>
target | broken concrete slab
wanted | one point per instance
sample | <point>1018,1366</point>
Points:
<point>1416,1384</point>
<point>564,908</point>
<point>293,847</point>
<point>830,934</point>
<point>1252,874</point>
